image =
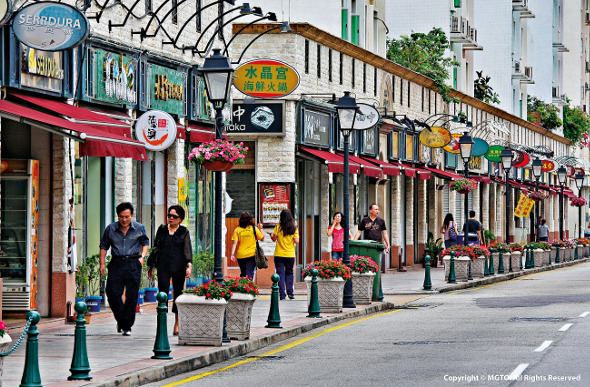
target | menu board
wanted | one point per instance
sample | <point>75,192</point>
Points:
<point>274,198</point>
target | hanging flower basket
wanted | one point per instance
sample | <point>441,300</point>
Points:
<point>578,202</point>
<point>537,196</point>
<point>218,166</point>
<point>218,155</point>
<point>463,186</point>
<point>464,191</point>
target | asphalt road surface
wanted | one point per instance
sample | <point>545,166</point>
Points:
<point>531,331</point>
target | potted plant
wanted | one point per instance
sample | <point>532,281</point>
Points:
<point>5,342</point>
<point>503,248</point>
<point>546,247</point>
<point>488,237</point>
<point>89,283</point>
<point>332,274</point>
<point>218,155</point>
<point>239,309</point>
<point>433,248</point>
<point>538,254</point>
<point>203,264</point>
<point>200,314</point>
<point>363,274</point>
<point>578,202</point>
<point>570,244</point>
<point>537,196</point>
<point>516,252</point>
<point>463,186</point>
<point>462,259</point>
<point>479,254</point>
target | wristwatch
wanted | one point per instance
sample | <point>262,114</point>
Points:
<point>143,256</point>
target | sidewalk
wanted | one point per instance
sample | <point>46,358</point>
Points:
<point>116,360</point>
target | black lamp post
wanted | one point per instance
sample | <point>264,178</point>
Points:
<point>347,111</point>
<point>466,148</point>
<point>537,170</point>
<point>579,181</point>
<point>506,157</point>
<point>561,175</point>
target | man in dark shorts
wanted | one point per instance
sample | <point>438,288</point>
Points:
<point>374,227</point>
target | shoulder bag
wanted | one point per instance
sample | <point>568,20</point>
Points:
<point>260,257</point>
<point>152,260</point>
<point>452,232</point>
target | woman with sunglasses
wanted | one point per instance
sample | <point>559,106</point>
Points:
<point>173,256</point>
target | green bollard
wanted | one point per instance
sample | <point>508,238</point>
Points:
<point>576,257</point>
<point>452,278</point>
<point>491,269</point>
<point>274,317</point>
<point>549,258</point>
<point>427,282</point>
<point>529,256</point>
<point>520,262</point>
<point>486,266</point>
<point>557,254</point>
<point>161,344</point>
<point>314,304</point>
<point>31,376</point>
<point>80,368</point>
<point>501,263</point>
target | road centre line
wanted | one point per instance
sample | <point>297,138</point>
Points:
<point>517,371</point>
<point>565,327</point>
<point>584,314</point>
<point>280,349</point>
<point>543,346</point>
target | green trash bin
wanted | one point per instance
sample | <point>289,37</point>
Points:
<point>372,250</point>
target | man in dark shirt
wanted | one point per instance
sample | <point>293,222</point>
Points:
<point>374,227</point>
<point>129,245</point>
<point>474,226</point>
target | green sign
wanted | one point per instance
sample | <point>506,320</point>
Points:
<point>116,78</point>
<point>494,153</point>
<point>168,90</point>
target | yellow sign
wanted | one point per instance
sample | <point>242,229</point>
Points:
<point>182,199</point>
<point>266,78</point>
<point>436,137</point>
<point>453,145</point>
<point>524,206</point>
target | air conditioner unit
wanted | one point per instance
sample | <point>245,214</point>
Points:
<point>555,91</point>
<point>587,18</point>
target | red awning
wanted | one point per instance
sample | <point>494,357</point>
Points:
<point>569,192</point>
<point>368,168</point>
<point>335,162</point>
<point>201,133</point>
<point>512,183</point>
<point>412,171</point>
<point>388,169</point>
<point>552,190</point>
<point>482,179</point>
<point>96,142</point>
<point>441,172</point>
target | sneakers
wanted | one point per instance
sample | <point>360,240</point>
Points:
<point>291,296</point>
<point>127,333</point>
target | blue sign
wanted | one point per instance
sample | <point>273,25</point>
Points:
<point>50,26</point>
<point>480,147</point>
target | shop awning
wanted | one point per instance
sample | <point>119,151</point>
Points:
<point>512,183</point>
<point>388,169</point>
<point>443,173</point>
<point>552,190</point>
<point>412,171</point>
<point>482,179</point>
<point>368,168</point>
<point>335,162</point>
<point>569,192</point>
<point>94,142</point>
<point>199,133</point>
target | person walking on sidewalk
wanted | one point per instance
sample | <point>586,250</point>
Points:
<point>337,233</point>
<point>243,239</point>
<point>173,257</point>
<point>374,227</point>
<point>474,226</point>
<point>286,236</point>
<point>129,246</point>
<point>543,232</point>
<point>449,228</point>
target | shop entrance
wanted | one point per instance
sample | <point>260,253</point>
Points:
<point>308,213</point>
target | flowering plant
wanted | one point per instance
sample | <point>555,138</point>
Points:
<point>582,242</point>
<point>578,202</point>
<point>242,285</point>
<point>328,269</point>
<point>558,243</point>
<point>219,150</point>
<point>460,250</point>
<point>3,329</point>
<point>516,247</point>
<point>570,243</point>
<point>537,195</point>
<point>498,246</point>
<point>463,185</point>
<point>212,290</point>
<point>543,245</point>
<point>361,264</point>
<point>479,250</point>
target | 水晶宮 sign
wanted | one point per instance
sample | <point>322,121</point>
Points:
<point>266,78</point>
<point>50,26</point>
<point>436,137</point>
<point>156,129</point>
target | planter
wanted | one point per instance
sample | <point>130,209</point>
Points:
<point>538,257</point>
<point>478,267</point>
<point>546,255</point>
<point>218,165</point>
<point>330,294</point>
<point>580,251</point>
<point>362,287</point>
<point>562,254</point>
<point>552,254</point>
<point>200,320</point>
<point>496,261</point>
<point>464,191</point>
<point>140,296</point>
<point>5,345</point>
<point>150,294</point>
<point>515,258</point>
<point>238,316</point>
<point>93,303</point>
<point>461,267</point>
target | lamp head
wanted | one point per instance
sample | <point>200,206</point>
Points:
<point>347,110</point>
<point>466,147</point>
<point>579,180</point>
<point>257,11</point>
<point>562,175</point>
<point>506,156</point>
<point>218,73</point>
<point>245,10</point>
<point>537,168</point>
<point>272,16</point>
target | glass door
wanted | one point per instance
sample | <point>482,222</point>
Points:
<point>14,235</point>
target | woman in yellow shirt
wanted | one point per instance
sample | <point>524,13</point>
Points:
<point>286,236</point>
<point>243,239</point>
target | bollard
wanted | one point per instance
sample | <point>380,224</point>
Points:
<point>575,252</point>
<point>491,269</point>
<point>549,258</point>
<point>501,263</point>
<point>314,304</point>
<point>529,254</point>
<point>452,278</point>
<point>486,266</point>
<point>31,376</point>
<point>161,344</point>
<point>427,282</point>
<point>557,254</point>
<point>274,317</point>
<point>80,368</point>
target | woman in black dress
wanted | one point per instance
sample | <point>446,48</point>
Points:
<point>174,256</point>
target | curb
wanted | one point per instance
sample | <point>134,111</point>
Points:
<point>176,367</point>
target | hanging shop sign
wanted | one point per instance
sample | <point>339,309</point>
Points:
<point>266,78</point>
<point>370,142</point>
<point>5,11</point>
<point>168,90</point>
<point>367,117</point>
<point>524,206</point>
<point>571,171</point>
<point>41,69</point>
<point>480,147</point>
<point>116,78</point>
<point>453,145</point>
<point>274,198</point>
<point>50,26</point>
<point>436,137</point>
<point>156,129</point>
<point>520,159</point>
<point>548,166</point>
<point>316,127</point>
<point>494,152</point>
<point>580,171</point>
<point>259,118</point>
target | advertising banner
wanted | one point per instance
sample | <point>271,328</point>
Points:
<point>266,78</point>
<point>168,90</point>
<point>524,206</point>
<point>274,198</point>
<point>116,78</point>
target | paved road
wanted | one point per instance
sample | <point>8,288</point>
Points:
<point>534,330</point>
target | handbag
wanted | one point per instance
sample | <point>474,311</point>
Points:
<point>260,257</point>
<point>452,232</point>
<point>152,259</point>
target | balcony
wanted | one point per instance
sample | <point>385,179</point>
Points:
<point>523,7</point>
<point>462,32</point>
<point>560,47</point>
<point>528,75</point>
<point>558,99</point>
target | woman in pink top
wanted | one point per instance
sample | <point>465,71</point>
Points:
<point>337,233</point>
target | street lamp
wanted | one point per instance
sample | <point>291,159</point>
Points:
<point>506,157</point>
<point>579,181</point>
<point>561,175</point>
<point>466,149</point>
<point>537,170</point>
<point>347,110</point>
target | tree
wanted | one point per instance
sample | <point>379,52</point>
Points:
<point>424,54</point>
<point>575,123</point>
<point>482,89</point>
<point>548,115</point>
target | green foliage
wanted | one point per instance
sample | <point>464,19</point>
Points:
<point>482,89</point>
<point>434,246</point>
<point>88,278</point>
<point>203,264</point>
<point>575,123</point>
<point>425,54</point>
<point>488,237</point>
<point>548,114</point>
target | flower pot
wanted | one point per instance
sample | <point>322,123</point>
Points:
<point>200,320</point>
<point>538,257</point>
<point>93,303</point>
<point>478,267</point>
<point>362,287</point>
<point>330,294</point>
<point>462,268</point>
<point>218,165</point>
<point>546,255</point>
<point>150,294</point>
<point>513,258</point>
<point>464,191</point>
<point>239,315</point>
<point>5,345</point>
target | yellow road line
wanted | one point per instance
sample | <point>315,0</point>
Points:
<point>280,349</point>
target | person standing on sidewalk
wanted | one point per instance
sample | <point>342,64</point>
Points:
<point>474,226</point>
<point>286,236</point>
<point>244,240</point>
<point>374,227</point>
<point>129,246</point>
<point>337,233</point>
<point>543,232</point>
<point>449,228</point>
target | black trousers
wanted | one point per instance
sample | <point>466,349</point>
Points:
<point>247,267</point>
<point>177,284</point>
<point>123,275</point>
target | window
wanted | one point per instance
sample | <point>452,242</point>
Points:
<point>409,94</point>
<point>307,57</point>
<point>375,82</point>
<point>354,29</point>
<point>394,145</point>
<point>344,32</point>
<point>352,72</point>
<point>319,61</point>
<point>330,65</point>
<point>340,67</point>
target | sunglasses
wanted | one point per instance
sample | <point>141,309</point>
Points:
<point>173,216</point>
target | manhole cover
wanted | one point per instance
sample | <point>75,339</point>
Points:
<point>421,342</point>
<point>546,319</point>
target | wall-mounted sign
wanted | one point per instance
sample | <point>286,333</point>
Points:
<point>520,159</point>
<point>494,153</point>
<point>260,118</point>
<point>453,145</point>
<point>266,78</point>
<point>156,129</point>
<point>580,171</point>
<point>480,147</point>
<point>168,90</point>
<point>50,26</point>
<point>548,166</point>
<point>41,69</point>
<point>436,137</point>
<point>5,11</point>
<point>316,127</point>
<point>571,171</point>
<point>274,198</point>
<point>524,206</point>
<point>370,143</point>
<point>367,117</point>
<point>116,78</point>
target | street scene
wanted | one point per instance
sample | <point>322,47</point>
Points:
<point>217,191</point>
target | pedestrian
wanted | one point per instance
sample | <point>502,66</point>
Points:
<point>543,232</point>
<point>337,233</point>
<point>286,236</point>
<point>374,227</point>
<point>172,257</point>
<point>244,239</point>
<point>474,226</point>
<point>129,246</point>
<point>449,228</point>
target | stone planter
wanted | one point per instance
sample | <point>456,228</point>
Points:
<point>5,345</point>
<point>239,315</point>
<point>362,287</point>
<point>552,253</point>
<point>580,251</point>
<point>561,254</point>
<point>546,255</point>
<point>200,320</point>
<point>538,257</point>
<point>461,268</point>
<point>330,294</point>
<point>478,267</point>
<point>515,258</point>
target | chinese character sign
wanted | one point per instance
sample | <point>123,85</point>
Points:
<point>156,129</point>
<point>524,206</point>
<point>266,78</point>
